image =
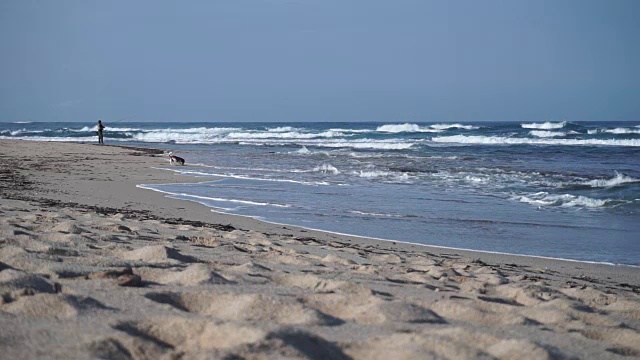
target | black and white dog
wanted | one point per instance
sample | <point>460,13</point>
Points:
<point>175,159</point>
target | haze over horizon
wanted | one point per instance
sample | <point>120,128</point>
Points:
<point>311,60</point>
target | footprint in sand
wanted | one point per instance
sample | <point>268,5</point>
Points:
<point>16,283</point>
<point>245,307</point>
<point>192,335</point>
<point>194,274</point>
<point>53,306</point>
<point>157,253</point>
<point>448,343</point>
<point>361,306</point>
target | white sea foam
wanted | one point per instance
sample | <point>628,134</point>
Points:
<point>84,129</point>
<point>546,133</point>
<point>476,179</point>
<point>361,144</point>
<point>326,168</point>
<point>398,128</point>
<point>245,177</point>
<point>453,126</point>
<point>238,201</point>
<point>303,151</point>
<point>183,138</point>
<point>618,179</point>
<point>545,126</point>
<point>244,135</point>
<point>351,130</point>
<point>622,131</point>
<point>57,139</point>
<point>499,140</point>
<point>373,174</point>
<point>281,129</point>
<point>387,175</point>
<point>563,200</point>
<point>617,131</point>
<point>18,132</point>
<point>357,212</point>
<point>107,128</point>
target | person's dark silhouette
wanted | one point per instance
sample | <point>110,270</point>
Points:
<point>100,128</point>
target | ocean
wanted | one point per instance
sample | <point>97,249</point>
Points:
<point>554,189</point>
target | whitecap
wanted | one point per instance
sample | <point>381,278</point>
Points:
<point>303,151</point>
<point>326,168</point>
<point>545,126</point>
<point>351,130</point>
<point>564,200</point>
<point>282,135</point>
<point>618,179</point>
<point>453,126</point>
<point>281,129</point>
<point>621,131</point>
<point>499,140</point>
<point>366,213</point>
<point>373,174</point>
<point>398,128</point>
<point>58,139</point>
<point>545,133</point>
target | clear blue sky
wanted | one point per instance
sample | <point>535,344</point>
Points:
<point>319,60</point>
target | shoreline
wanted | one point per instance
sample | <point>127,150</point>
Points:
<point>426,246</point>
<point>106,270</point>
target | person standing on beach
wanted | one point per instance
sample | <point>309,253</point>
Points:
<point>100,128</point>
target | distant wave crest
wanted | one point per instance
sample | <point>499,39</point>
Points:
<point>436,128</point>
<point>500,140</point>
<point>546,133</point>
<point>545,126</point>
<point>398,128</point>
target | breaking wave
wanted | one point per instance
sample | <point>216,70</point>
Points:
<point>566,200</point>
<point>20,132</point>
<point>283,135</point>
<point>326,169</point>
<point>546,133</point>
<point>282,129</point>
<point>622,131</point>
<point>303,151</point>
<point>618,179</point>
<point>499,140</point>
<point>436,128</point>
<point>364,144</point>
<point>545,126</point>
<point>398,128</point>
<point>453,126</point>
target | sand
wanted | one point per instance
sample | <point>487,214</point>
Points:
<point>93,267</point>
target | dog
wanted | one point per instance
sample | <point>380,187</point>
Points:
<point>175,160</point>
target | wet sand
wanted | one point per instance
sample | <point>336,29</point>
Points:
<point>93,267</point>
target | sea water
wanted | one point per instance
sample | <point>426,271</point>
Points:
<point>558,189</point>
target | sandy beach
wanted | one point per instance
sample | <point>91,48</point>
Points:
<point>91,266</point>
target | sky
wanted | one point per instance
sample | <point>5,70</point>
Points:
<point>319,60</point>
